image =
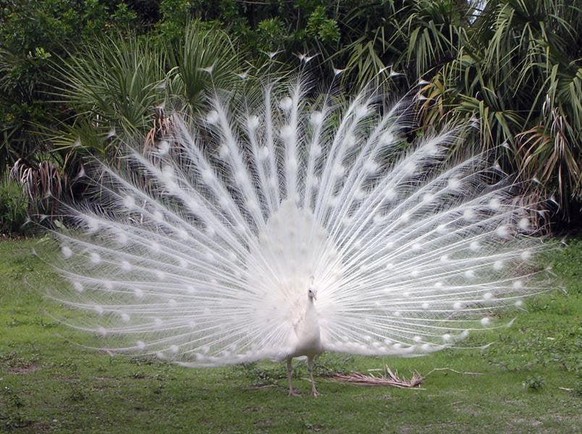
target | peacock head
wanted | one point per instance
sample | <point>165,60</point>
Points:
<point>312,294</point>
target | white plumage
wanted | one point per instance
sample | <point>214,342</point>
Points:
<point>275,228</point>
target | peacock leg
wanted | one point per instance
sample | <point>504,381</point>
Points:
<point>292,392</point>
<point>314,391</point>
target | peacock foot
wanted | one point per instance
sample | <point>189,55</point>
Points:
<point>294,392</point>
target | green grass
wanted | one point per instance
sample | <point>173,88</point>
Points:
<point>530,378</point>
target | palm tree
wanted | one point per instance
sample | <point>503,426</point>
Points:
<point>518,77</point>
<point>118,87</point>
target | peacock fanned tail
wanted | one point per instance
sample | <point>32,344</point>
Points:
<point>201,248</point>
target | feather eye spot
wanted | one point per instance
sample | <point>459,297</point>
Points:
<point>66,252</point>
<point>207,176</point>
<point>390,195</point>
<point>360,194</point>
<point>409,168</point>
<point>95,258</point>
<point>286,132</point>
<point>454,184</point>
<point>526,255</point>
<point>78,286</point>
<point>350,140</point>
<point>387,138</point>
<point>442,229</point>
<point>286,103</point>
<point>316,118</point>
<point>168,173</point>
<point>362,111</point>
<point>158,216</point>
<point>223,151</point>
<point>263,153</point>
<point>91,225</point>
<point>502,231</point>
<point>253,123</point>
<point>155,247</point>
<point>121,238</point>
<point>371,167</point>
<point>183,234</point>
<point>212,117</point>
<point>163,148</point>
<point>495,204</point>
<point>524,224</point>
<point>339,170</point>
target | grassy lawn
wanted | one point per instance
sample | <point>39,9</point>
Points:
<point>528,380</point>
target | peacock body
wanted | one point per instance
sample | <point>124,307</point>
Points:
<point>271,228</point>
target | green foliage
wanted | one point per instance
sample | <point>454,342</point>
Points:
<point>33,35</point>
<point>271,34</point>
<point>13,207</point>
<point>118,86</point>
<point>205,59</point>
<point>518,76</point>
<point>324,29</point>
<point>175,17</point>
<point>512,69</point>
<point>534,383</point>
<point>112,85</point>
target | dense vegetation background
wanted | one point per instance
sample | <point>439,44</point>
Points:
<point>78,77</point>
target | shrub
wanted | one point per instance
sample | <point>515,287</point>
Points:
<point>13,208</point>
